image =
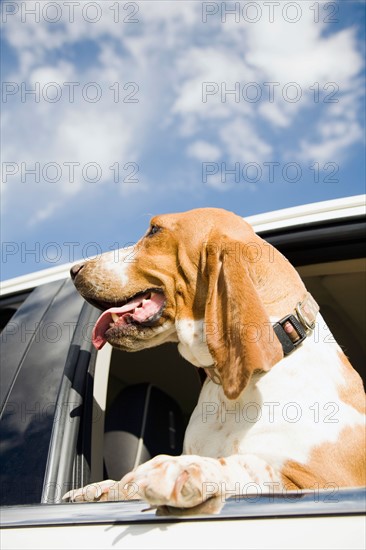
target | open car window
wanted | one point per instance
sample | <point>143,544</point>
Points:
<point>58,393</point>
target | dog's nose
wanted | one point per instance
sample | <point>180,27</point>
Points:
<point>75,270</point>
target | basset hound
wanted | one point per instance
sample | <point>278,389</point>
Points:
<point>281,407</point>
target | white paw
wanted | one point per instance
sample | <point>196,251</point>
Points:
<point>90,493</point>
<point>180,481</point>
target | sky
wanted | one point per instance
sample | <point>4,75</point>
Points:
<point>112,112</point>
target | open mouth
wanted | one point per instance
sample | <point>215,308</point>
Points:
<point>141,310</point>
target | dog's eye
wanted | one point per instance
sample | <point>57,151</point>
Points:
<point>153,229</point>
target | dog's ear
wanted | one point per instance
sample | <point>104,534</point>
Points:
<point>239,334</point>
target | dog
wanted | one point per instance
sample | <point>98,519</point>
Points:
<point>279,409</point>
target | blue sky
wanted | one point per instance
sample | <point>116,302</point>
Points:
<point>140,108</point>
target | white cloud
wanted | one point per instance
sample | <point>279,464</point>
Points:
<point>43,214</point>
<point>274,114</point>
<point>243,143</point>
<point>207,82</point>
<point>284,61</point>
<point>204,151</point>
<point>336,138</point>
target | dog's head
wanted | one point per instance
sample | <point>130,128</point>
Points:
<point>203,268</point>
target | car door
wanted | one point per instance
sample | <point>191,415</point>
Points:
<point>46,353</point>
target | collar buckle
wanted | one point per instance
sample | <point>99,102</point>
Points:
<point>290,333</point>
<point>306,312</point>
<point>293,329</point>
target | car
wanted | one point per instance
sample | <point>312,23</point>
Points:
<point>58,400</point>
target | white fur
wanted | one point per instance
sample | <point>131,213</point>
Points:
<point>119,262</point>
<point>192,342</point>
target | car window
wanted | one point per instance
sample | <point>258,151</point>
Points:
<point>58,391</point>
<point>35,345</point>
<point>9,306</point>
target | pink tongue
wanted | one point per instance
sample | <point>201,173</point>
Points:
<point>135,310</point>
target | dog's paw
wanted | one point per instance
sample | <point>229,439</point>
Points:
<point>177,481</point>
<point>182,481</point>
<point>107,490</point>
<point>95,492</point>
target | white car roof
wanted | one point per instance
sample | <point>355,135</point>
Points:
<point>288,217</point>
<point>309,213</point>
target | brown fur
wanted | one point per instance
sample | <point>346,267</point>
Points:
<point>345,468</point>
<point>351,392</point>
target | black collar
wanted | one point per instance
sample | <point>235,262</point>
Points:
<point>295,327</point>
